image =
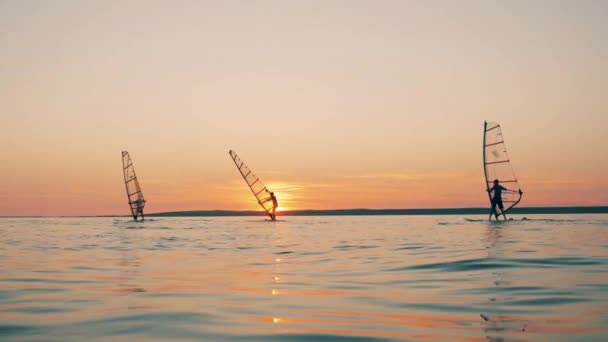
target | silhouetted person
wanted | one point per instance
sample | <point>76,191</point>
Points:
<point>497,199</point>
<point>275,204</point>
<point>139,208</point>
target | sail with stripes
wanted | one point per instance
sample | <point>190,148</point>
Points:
<point>134,194</point>
<point>259,190</point>
<point>497,166</point>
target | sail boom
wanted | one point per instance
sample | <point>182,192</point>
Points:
<point>498,162</point>
<point>496,143</point>
<point>493,128</point>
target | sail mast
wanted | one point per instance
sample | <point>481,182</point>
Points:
<point>485,170</point>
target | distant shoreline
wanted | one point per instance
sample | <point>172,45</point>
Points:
<point>362,212</point>
<point>376,212</point>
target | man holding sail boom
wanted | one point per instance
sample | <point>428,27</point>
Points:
<point>275,204</point>
<point>497,199</point>
<point>139,210</point>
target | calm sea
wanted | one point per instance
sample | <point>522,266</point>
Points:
<point>370,278</point>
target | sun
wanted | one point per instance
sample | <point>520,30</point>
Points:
<point>284,194</point>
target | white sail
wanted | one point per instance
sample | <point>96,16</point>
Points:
<point>134,194</point>
<point>497,166</point>
<point>259,190</point>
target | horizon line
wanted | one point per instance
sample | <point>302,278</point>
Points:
<point>601,209</point>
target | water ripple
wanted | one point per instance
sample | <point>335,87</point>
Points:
<point>393,278</point>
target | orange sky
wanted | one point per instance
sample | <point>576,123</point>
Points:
<point>336,104</point>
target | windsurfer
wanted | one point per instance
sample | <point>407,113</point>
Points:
<point>139,207</point>
<point>275,204</point>
<point>497,199</point>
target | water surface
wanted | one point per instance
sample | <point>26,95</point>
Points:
<point>372,278</point>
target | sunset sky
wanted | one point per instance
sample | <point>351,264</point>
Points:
<point>333,104</point>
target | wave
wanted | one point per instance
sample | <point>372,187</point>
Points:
<point>490,263</point>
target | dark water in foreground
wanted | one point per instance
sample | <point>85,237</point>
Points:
<point>371,278</point>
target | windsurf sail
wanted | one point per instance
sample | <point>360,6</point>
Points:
<point>259,190</point>
<point>134,194</point>
<point>497,166</point>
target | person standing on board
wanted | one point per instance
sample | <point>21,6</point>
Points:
<point>497,199</point>
<point>275,204</point>
<point>139,210</point>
